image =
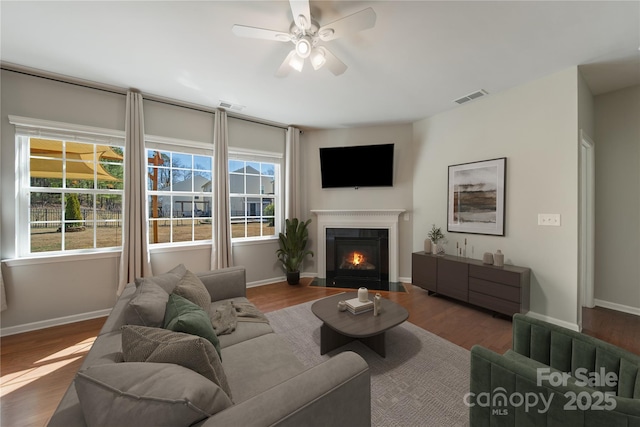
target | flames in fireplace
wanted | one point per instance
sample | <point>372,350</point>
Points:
<point>357,258</point>
<point>356,261</point>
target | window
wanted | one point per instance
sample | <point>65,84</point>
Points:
<point>179,187</point>
<point>71,192</point>
<point>254,188</point>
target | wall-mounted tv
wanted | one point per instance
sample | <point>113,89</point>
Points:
<point>357,166</point>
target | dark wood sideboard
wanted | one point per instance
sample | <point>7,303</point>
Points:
<point>501,289</point>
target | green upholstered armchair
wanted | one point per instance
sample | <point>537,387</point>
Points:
<point>554,376</point>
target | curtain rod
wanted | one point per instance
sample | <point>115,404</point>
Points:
<point>90,84</point>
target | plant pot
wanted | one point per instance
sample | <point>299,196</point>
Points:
<point>293,277</point>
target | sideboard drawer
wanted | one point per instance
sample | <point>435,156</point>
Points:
<point>495,274</point>
<point>510,293</point>
<point>492,303</point>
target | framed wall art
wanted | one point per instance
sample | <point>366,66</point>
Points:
<point>476,197</point>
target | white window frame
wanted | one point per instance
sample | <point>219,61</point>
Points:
<point>175,145</point>
<point>26,128</point>
<point>277,159</point>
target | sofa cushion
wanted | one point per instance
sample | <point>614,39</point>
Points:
<point>244,330</point>
<point>167,281</point>
<point>258,364</point>
<point>182,315</point>
<point>143,344</point>
<point>192,288</point>
<point>147,306</point>
<point>157,394</point>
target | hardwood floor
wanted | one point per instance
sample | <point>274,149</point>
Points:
<point>37,367</point>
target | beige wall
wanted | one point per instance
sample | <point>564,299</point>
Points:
<point>535,126</point>
<point>396,197</point>
<point>617,238</point>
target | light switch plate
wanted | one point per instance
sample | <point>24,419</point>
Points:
<point>549,219</point>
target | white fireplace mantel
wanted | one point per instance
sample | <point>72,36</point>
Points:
<point>359,218</point>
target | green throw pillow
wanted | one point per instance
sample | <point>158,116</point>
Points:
<point>182,315</point>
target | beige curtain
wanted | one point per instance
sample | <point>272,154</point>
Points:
<point>292,173</point>
<point>221,254</point>
<point>134,261</point>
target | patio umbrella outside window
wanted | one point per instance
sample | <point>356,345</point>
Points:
<point>81,164</point>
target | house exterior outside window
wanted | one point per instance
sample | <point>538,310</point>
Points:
<point>179,188</point>
<point>254,186</point>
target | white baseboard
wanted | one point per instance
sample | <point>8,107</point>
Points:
<point>563,323</point>
<point>275,280</point>
<point>266,282</point>
<point>617,307</point>
<point>34,326</point>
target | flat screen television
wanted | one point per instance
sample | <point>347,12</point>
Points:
<point>357,166</point>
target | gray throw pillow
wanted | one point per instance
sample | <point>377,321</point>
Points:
<point>147,306</point>
<point>166,281</point>
<point>192,288</point>
<point>142,344</point>
<point>146,394</point>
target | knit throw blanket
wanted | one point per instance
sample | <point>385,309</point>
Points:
<point>226,317</point>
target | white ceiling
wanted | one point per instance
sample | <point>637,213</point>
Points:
<point>419,57</point>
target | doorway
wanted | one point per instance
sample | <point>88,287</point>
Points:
<point>586,236</point>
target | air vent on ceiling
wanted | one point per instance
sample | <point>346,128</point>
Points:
<point>231,106</point>
<point>475,95</point>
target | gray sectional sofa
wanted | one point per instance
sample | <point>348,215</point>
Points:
<point>255,380</point>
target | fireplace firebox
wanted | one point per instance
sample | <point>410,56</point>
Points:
<point>357,256</point>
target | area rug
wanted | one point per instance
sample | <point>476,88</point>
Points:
<point>421,382</point>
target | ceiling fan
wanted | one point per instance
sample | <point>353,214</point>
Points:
<point>306,34</point>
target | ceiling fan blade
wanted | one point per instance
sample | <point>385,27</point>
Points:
<point>334,65</point>
<point>348,25</point>
<point>285,68</point>
<point>260,33</point>
<point>301,13</point>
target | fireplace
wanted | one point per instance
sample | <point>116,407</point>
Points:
<point>368,219</point>
<point>357,227</point>
<point>357,255</point>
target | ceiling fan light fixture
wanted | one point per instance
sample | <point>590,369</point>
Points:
<point>296,62</point>
<point>317,58</point>
<point>303,47</point>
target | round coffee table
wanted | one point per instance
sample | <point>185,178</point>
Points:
<point>341,327</point>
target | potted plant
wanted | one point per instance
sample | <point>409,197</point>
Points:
<point>436,236</point>
<point>293,244</point>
